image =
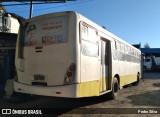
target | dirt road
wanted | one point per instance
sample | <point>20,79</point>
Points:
<point>145,95</point>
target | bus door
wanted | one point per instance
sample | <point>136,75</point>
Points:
<point>90,63</point>
<point>105,63</point>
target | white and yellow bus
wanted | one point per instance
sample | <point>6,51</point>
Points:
<point>67,55</point>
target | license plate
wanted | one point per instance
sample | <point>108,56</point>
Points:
<point>39,77</point>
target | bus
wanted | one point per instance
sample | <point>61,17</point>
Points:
<point>65,54</point>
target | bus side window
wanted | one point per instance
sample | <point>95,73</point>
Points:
<point>113,44</point>
<point>114,50</point>
<point>92,35</point>
<point>89,41</point>
<point>118,46</point>
<point>90,49</point>
<point>129,50</point>
<point>125,49</point>
<point>84,32</point>
<point>122,47</point>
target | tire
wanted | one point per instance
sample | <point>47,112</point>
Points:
<point>115,88</point>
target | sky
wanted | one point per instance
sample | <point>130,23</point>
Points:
<point>135,21</point>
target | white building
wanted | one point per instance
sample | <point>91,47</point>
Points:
<point>8,21</point>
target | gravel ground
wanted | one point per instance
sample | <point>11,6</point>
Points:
<point>132,99</point>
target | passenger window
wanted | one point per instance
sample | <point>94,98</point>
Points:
<point>129,50</point>
<point>125,49</point>
<point>114,44</point>
<point>88,33</point>
<point>92,36</point>
<point>118,46</point>
<point>89,49</point>
<point>122,47</point>
<point>89,41</point>
<point>84,32</point>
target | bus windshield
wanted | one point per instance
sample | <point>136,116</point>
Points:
<point>44,31</point>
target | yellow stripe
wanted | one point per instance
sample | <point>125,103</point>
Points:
<point>127,79</point>
<point>93,88</point>
<point>87,89</point>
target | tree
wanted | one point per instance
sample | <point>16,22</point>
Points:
<point>146,45</point>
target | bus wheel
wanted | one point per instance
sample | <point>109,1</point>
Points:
<point>115,88</point>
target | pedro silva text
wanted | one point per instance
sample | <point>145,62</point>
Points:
<point>14,111</point>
